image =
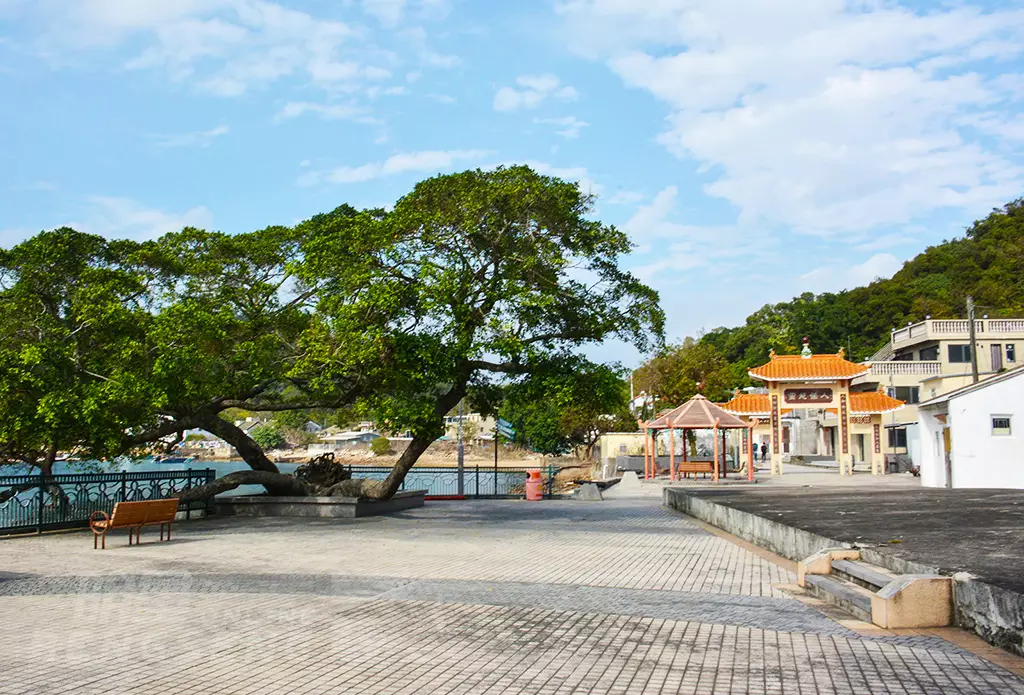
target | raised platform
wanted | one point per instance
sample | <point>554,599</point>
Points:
<point>909,531</point>
<point>319,507</point>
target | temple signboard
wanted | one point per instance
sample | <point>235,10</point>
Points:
<point>808,396</point>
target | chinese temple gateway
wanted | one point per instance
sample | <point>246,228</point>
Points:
<point>809,381</point>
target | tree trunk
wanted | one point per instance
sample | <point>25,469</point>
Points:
<point>280,484</point>
<point>251,453</point>
<point>249,450</point>
<point>384,489</point>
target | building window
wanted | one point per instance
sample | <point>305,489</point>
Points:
<point>1011,352</point>
<point>903,357</point>
<point>930,354</point>
<point>1001,425</point>
<point>907,394</point>
<point>960,353</point>
<point>897,437</point>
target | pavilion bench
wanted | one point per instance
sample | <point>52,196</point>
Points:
<point>695,467</point>
<point>133,516</point>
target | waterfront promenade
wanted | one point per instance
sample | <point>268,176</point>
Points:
<point>620,596</point>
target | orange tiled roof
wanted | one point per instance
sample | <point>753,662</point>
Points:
<point>813,368</point>
<point>864,402</point>
<point>748,404</point>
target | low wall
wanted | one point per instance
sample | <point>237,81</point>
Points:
<point>321,507</point>
<point>994,614</point>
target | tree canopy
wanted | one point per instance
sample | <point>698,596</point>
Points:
<point>472,279</point>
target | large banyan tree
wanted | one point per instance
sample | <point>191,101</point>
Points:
<point>107,347</point>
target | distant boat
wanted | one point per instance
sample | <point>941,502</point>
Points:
<point>173,459</point>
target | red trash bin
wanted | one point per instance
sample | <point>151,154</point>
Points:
<point>534,486</point>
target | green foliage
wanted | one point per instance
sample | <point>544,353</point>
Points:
<point>70,315</point>
<point>679,372</point>
<point>472,276</point>
<point>381,446</point>
<point>987,262</point>
<point>567,406</point>
<point>269,437</point>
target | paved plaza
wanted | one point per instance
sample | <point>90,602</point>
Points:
<point>621,596</point>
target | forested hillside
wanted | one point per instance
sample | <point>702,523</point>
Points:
<point>987,262</point>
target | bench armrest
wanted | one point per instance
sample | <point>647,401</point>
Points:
<point>96,516</point>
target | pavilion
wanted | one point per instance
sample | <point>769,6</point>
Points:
<point>820,382</point>
<point>696,414</point>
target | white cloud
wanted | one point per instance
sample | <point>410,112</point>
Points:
<point>221,47</point>
<point>388,12</point>
<point>442,98</point>
<point>827,117</point>
<point>329,112</point>
<point>127,218</point>
<point>578,174</point>
<point>569,127</point>
<point>535,89</point>
<point>429,161</point>
<point>626,198</point>
<point>833,278</point>
<point>677,247</point>
<point>199,138</point>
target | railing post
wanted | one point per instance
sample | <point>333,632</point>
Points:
<point>476,477</point>
<point>210,476</point>
<point>188,505</point>
<point>42,500</point>
<point>124,486</point>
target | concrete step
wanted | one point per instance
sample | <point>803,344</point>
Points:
<point>863,574</point>
<point>851,597</point>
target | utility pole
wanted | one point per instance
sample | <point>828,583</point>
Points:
<point>973,348</point>
<point>461,475</point>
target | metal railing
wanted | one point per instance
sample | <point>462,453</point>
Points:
<point>479,482</point>
<point>45,502</point>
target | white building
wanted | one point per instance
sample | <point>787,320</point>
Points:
<point>932,358</point>
<point>972,437</point>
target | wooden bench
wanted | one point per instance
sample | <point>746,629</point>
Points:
<point>133,516</point>
<point>695,467</point>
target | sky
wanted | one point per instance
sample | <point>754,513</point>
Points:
<point>753,150</point>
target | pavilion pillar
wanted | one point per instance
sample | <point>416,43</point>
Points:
<point>750,451</point>
<point>672,453</point>
<point>714,437</point>
<point>646,453</point>
<point>877,458</point>
<point>845,455</point>
<point>776,427</point>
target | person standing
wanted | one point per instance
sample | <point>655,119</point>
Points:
<point>764,451</point>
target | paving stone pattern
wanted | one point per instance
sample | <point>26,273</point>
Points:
<point>483,597</point>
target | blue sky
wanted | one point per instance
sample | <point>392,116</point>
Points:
<point>753,150</point>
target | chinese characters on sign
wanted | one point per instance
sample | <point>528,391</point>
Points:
<point>844,424</point>
<point>775,423</point>
<point>878,439</point>
<point>808,395</point>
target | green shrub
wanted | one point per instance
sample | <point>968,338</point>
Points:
<point>381,446</point>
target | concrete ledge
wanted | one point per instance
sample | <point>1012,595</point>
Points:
<point>993,613</point>
<point>914,601</point>
<point>321,507</point>
<point>787,541</point>
<point>821,562</point>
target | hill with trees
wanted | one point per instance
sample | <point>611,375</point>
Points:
<point>986,263</point>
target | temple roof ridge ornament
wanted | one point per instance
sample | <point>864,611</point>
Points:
<point>806,351</point>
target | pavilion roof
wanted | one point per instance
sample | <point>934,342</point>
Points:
<point>810,368</point>
<point>871,402</point>
<point>698,413</point>
<point>748,404</point>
